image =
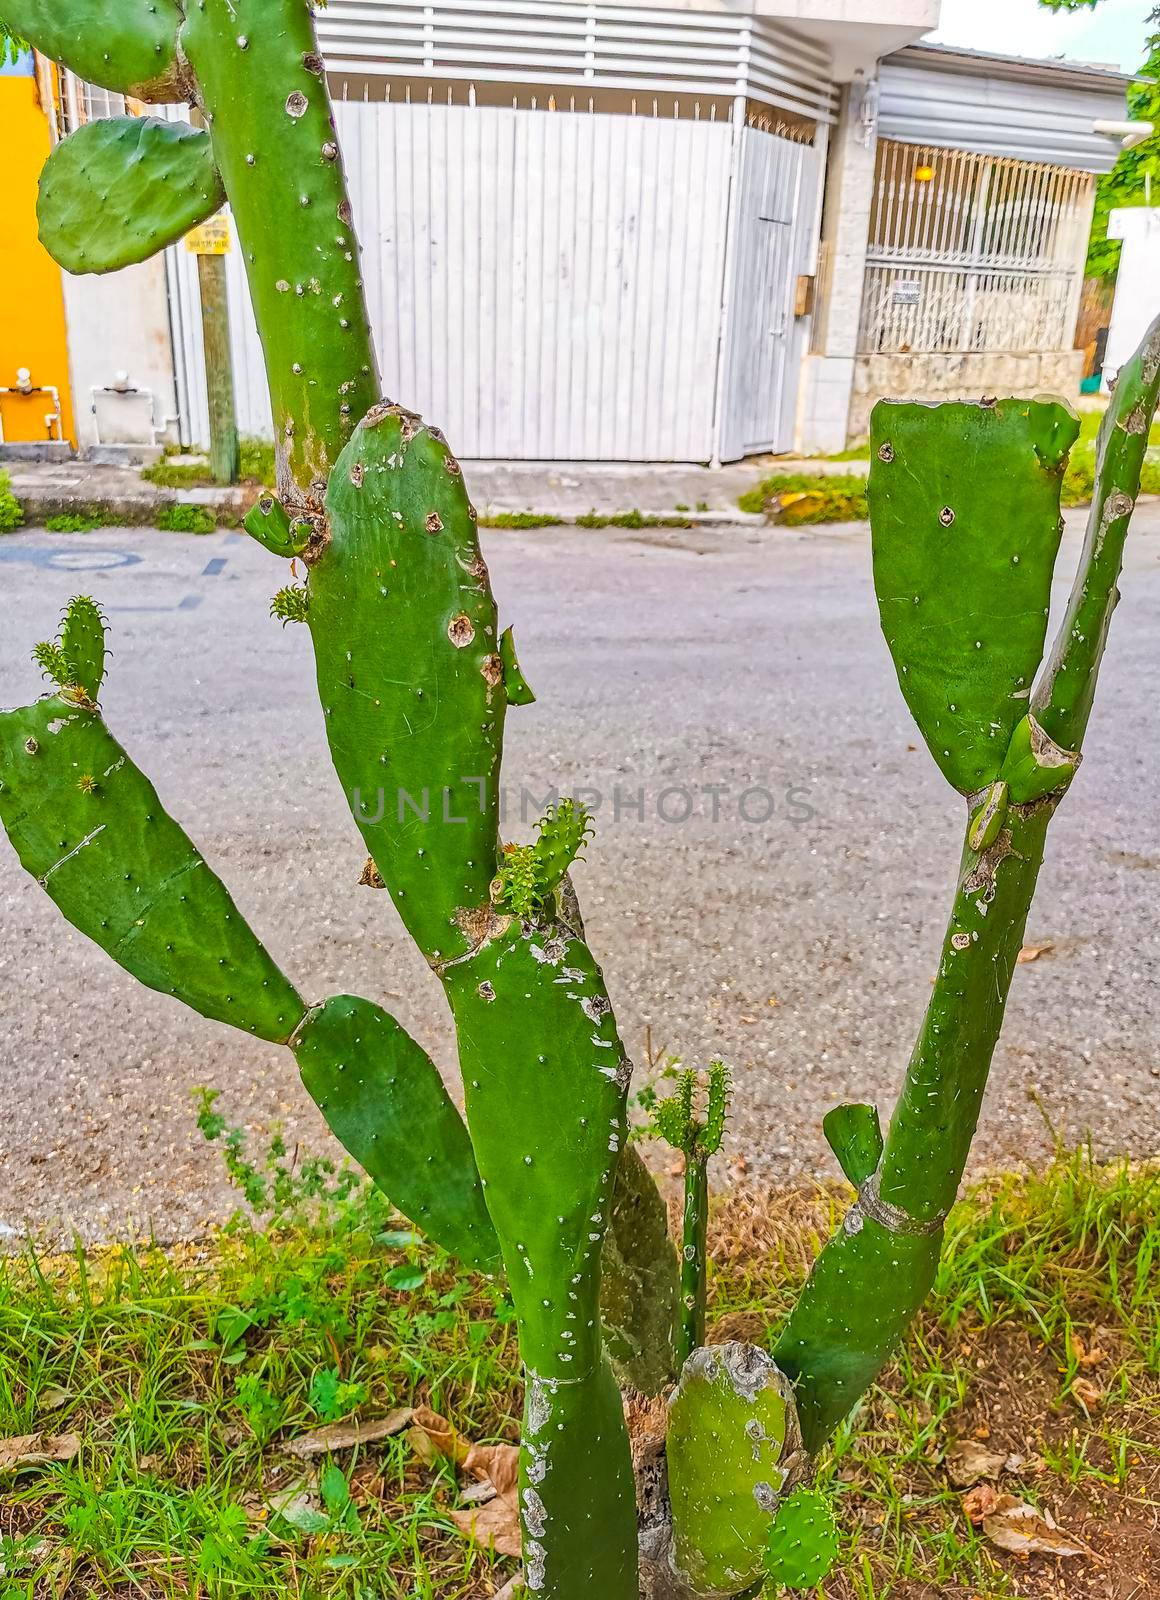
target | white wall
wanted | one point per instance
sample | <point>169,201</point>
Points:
<point>119,322</point>
<point>1137,285</point>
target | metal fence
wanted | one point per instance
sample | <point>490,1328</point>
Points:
<point>970,252</point>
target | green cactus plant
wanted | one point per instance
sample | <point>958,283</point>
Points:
<point>415,678</point>
<point>803,1543</point>
<point>678,1121</point>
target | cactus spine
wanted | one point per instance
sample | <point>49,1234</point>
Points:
<point>415,678</point>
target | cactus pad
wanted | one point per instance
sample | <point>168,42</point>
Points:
<point>126,45</point>
<point>267,521</point>
<point>385,1102</point>
<point>87,824</point>
<point>121,188</point>
<point>405,638</point>
<point>964,512</point>
<point>803,1542</point>
<point>854,1134</point>
<point>734,1449</point>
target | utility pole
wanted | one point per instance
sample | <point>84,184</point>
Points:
<point>210,243</point>
<point>224,458</point>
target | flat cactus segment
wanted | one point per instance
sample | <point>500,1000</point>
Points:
<point>385,1102</point>
<point>519,691</point>
<point>87,824</point>
<point>545,1080</point>
<point>126,45</point>
<point>1035,766</point>
<point>734,1448</point>
<point>803,1542</point>
<point>267,521</point>
<point>262,86</point>
<point>875,1273</point>
<point>854,1134</point>
<point>82,644</point>
<point>638,1281</point>
<point>405,637</point>
<point>1063,697</point>
<point>577,1499</point>
<point>857,1303</point>
<point>121,188</point>
<point>964,512</point>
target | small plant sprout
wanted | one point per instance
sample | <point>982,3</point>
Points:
<point>291,604</point>
<point>693,1121</point>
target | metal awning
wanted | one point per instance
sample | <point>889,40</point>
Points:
<point>1046,111</point>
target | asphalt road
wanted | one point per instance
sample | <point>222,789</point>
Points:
<point>789,922</point>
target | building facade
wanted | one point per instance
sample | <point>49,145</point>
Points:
<point>656,232</point>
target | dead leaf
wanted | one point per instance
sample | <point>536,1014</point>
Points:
<point>979,1503</point>
<point>345,1435</point>
<point>434,1439</point>
<point>1015,1526</point>
<point>495,1523</point>
<point>26,1450</point>
<point>967,1462</point>
<point>749,1019</point>
<point>512,1589</point>
<point>1089,1394</point>
<point>1032,952</point>
<point>1086,1357</point>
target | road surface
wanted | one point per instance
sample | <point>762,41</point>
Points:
<point>768,882</point>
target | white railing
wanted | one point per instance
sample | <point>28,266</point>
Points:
<point>579,44</point>
<point>970,252</point>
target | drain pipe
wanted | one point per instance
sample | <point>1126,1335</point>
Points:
<point>25,386</point>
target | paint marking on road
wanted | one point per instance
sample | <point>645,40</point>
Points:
<point>190,602</point>
<point>213,566</point>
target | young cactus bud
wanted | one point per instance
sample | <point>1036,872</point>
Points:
<point>564,831</point>
<point>734,1449</point>
<point>803,1542</point>
<point>716,1107</point>
<point>673,1119</point>
<point>291,604</point>
<point>529,875</point>
<point>82,640</point>
<point>76,661</point>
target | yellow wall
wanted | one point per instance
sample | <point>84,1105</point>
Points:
<point>32,321</point>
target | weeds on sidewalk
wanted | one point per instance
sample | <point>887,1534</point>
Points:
<point>11,511</point>
<point>179,1377</point>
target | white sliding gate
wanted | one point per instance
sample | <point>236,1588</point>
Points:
<point>544,285</point>
<point>774,241</point>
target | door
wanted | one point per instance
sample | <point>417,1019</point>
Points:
<point>772,243</point>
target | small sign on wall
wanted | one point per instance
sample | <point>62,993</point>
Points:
<point>211,238</point>
<point>906,292</point>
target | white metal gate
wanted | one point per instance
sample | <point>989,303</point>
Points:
<point>546,285</point>
<point>774,239</point>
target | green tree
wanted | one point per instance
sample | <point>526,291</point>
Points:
<point>1124,185</point>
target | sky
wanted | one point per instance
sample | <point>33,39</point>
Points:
<point>1113,32</point>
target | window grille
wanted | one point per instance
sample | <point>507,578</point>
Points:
<point>970,252</point>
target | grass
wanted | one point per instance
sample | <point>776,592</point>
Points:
<point>256,466</point>
<point>11,511</point>
<point>184,1371</point>
<point>521,519</point>
<point>798,498</point>
<point>182,517</point>
<point>83,521</point>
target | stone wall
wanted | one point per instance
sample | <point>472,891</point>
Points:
<point>959,377</point>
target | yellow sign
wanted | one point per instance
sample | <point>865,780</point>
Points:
<point>210,238</point>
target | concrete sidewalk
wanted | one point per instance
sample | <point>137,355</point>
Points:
<point>564,490</point>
